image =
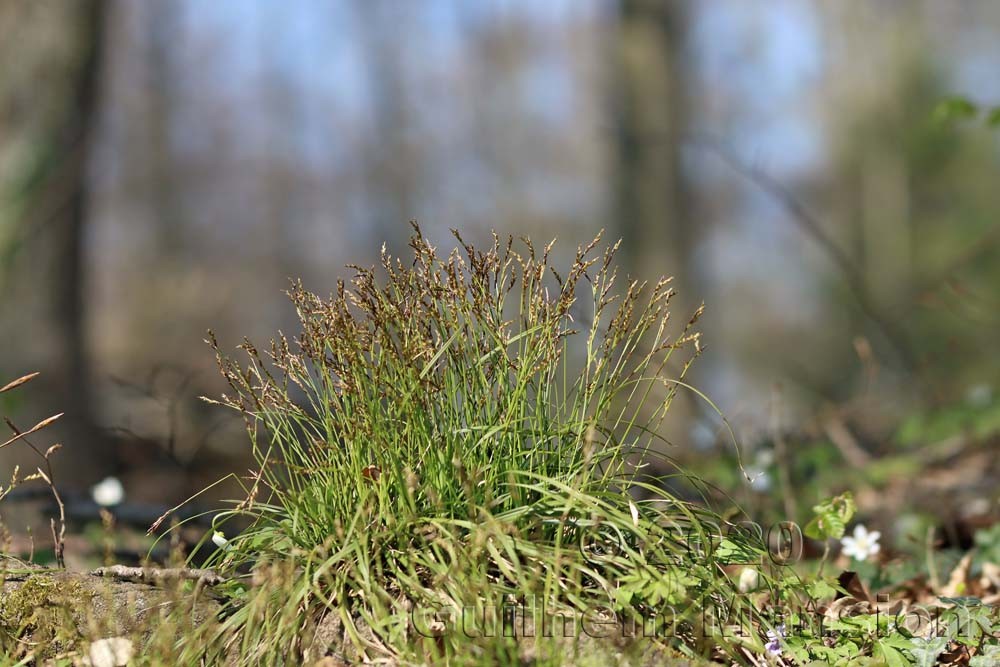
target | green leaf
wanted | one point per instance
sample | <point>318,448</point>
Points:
<point>925,652</point>
<point>989,658</point>
<point>623,596</point>
<point>954,109</point>
<point>993,117</point>
<point>821,589</point>
<point>730,552</point>
<point>831,517</point>
<point>967,601</point>
<point>893,657</point>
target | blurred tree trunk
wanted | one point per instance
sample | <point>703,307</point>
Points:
<point>652,199</point>
<point>650,102</point>
<point>65,174</point>
<point>161,20</point>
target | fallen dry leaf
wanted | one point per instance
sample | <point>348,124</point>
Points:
<point>958,582</point>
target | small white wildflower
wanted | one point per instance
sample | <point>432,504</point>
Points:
<point>109,491</point>
<point>749,580</point>
<point>863,545</point>
<point>219,540</point>
<point>774,638</point>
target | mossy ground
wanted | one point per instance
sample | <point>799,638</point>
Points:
<point>51,616</point>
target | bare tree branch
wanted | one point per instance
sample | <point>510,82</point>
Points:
<point>810,225</point>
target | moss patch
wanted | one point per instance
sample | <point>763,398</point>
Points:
<point>36,615</point>
<point>45,613</point>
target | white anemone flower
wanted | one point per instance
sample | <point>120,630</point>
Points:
<point>863,545</point>
<point>108,492</point>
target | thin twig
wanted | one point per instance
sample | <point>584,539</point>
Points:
<point>783,461</point>
<point>159,575</point>
<point>808,223</point>
<point>933,581</point>
<point>845,442</point>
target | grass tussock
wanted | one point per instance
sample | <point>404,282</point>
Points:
<point>456,436</point>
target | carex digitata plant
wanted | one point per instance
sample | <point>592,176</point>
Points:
<point>460,430</point>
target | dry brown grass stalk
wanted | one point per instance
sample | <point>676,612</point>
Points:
<point>46,475</point>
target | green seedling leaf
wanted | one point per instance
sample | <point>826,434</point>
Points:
<point>925,652</point>
<point>893,657</point>
<point>963,601</point>
<point>832,517</point>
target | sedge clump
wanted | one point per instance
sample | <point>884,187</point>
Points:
<point>456,432</point>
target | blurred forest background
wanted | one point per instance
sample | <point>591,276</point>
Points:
<point>166,166</point>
